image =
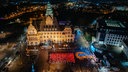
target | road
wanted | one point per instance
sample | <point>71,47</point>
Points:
<point>13,54</point>
<point>80,39</point>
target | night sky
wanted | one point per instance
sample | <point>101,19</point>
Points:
<point>62,0</point>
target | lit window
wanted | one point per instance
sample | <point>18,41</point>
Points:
<point>31,42</point>
<point>71,40</point>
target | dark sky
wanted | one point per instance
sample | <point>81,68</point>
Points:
<point>4,1</point>
<point>81,0</point>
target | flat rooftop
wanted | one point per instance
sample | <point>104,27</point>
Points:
<point>112,23</point>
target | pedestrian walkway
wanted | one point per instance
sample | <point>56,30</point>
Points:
<point>80,39</point>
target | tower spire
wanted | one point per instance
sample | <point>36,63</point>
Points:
<point>49,11</point>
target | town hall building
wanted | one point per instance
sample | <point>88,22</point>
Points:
<point>49,30</point>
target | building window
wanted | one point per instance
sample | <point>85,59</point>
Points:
<point>31,42</point>
<point>71,40</point>
<point>36,43</point>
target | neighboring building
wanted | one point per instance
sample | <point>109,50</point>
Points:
<point>125,47</point>
<point>111,32</point>
<point>49,30</point>
<point>121,8</point>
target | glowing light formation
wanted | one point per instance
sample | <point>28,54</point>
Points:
<point>61,57</point>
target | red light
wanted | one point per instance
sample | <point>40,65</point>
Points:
<point>61,57</point>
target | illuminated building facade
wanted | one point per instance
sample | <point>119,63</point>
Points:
<point>111,32</point>
<point>49,30</point>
